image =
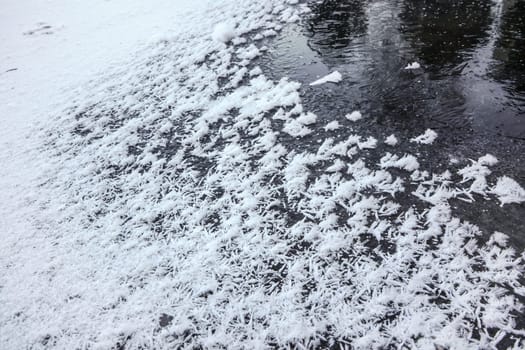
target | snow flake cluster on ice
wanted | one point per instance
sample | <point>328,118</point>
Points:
<point>354,116</point>
<point>334,77</point>
<point>187,218</point>
<point>427,138</point>
<point>508,191</point>
<point>224,32</point>
<point>413,65</point>
<point>391,140</point>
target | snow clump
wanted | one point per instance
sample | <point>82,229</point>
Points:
<point>508,191</point>
<point>333,125</point>
<point>354,116</point>
<point>427,138</point>
<point>391,140</point>
<point>333,77</point>
<point>413,65</point>
<point>224,32</point>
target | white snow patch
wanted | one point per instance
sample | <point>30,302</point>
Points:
<point>391,140</point>
<point>499,238</point>
<point>338,165</point>
<point>369,143</point>
<point>294,18</point>
<point>307,118</point>
<point>333,77</point>
<point>238,41</point>
<point>427,138</point>
<point>224,32</point>
<point>333,125</point>
<point>248,53</point>
<point>255,71</point>
<point>269,33</point>
<point>354,116</point>
<point>407,162</point>
<point>477,173</point>
<point>508,191</point>
<point>488,159</point>
<point>413,65</point>
<point>295,128</point>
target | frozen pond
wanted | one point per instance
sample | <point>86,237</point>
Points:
<point>272,176</point>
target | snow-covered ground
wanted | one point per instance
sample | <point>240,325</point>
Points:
<point>165,198</point>
<point>48,48</point>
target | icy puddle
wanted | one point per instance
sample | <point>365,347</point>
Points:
<point>415,65</point>
<point>200,201</point>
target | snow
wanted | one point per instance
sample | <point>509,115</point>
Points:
<point>334,77</point>
<point>499,238</point>
<point>413,65</point>
<point>370,142</point>
<point>477,172</point>
<point>255,71</point>
<point>488,159</point>
<point>508,191</point>
<point>333,125</point>
<point>307,118</point>
<point>238,41</point>
<point>296,129</point>
<point>223,32</point>
<point>354,116</point>
<point>161,203</point>
<point>268,33</point>
<point>453,160</point>
<point>427,138</point>
<point>391,140</point>
<point>407,162</point>
<point>249,53</point>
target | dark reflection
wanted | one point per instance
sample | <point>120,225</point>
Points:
<point>445,31</point>
<point>334,23</point>
<point>472,56</point>
<point>374,40</point>
<point>509,51</point>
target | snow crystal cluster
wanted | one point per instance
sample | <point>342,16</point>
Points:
<point>334,77</point>
<point>223,32</point>
<point>191,216</point>
<point>413,65</point>
<point>354,116</point>
<point>391,140</point>
<point>427,138</point>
